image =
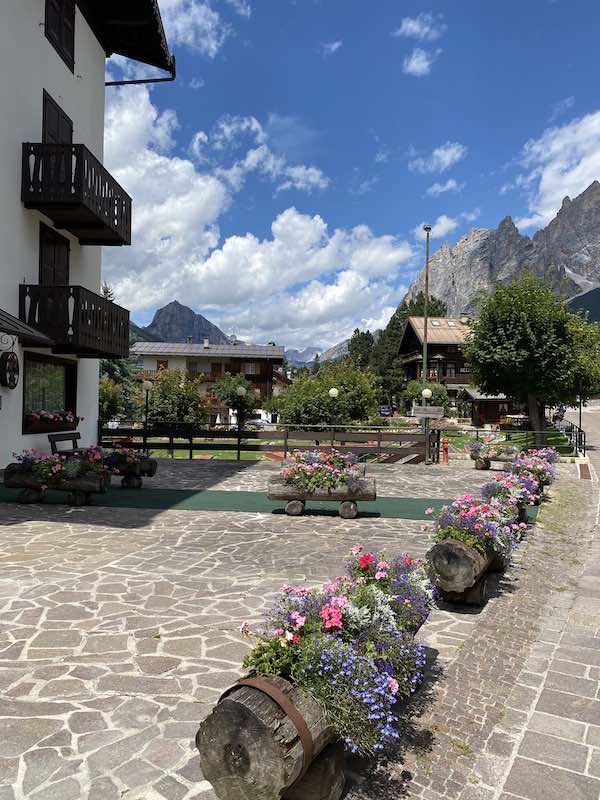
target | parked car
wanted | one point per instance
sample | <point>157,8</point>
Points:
<point>386,411</point>
<point>259,424</point>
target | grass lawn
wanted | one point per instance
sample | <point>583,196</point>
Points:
<point>230,455</point>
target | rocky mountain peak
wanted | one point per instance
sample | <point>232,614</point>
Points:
<point>178,323</point>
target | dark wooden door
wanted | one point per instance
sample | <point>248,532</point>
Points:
<point>57,127</point>
<point>54,257</point>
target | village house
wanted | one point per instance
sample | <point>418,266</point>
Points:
<point>259,364</point>
<point>59,207</point>
<point>446,364</point>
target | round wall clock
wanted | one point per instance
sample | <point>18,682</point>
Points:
<point>9,370</point>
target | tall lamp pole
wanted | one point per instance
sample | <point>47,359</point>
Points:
<point>427,229</point>
<point>426,395</point>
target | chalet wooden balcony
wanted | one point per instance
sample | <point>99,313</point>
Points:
<point>71,187</point>
<point>77,320</point>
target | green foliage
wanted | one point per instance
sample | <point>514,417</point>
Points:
<point>439,394</point>
<point>226,390</point>
<point>360,347</point>
<point>316,364</point>
<point>528,344</point>
<point>176,397</point>
<point>462,536</point>
<point>384,355</point>
<point>307,400</point>
<point>110,400</point>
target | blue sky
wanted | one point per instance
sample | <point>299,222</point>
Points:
<point>280,183</point>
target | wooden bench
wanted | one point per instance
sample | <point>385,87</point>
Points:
<point>71,436</point>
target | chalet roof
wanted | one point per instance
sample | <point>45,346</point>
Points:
<point>28,336</point>
<point>440,330</point>
<point>131,28</point>
<point>476,394</point>
<point>267,351</point>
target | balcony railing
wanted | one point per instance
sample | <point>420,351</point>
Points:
<point>76,319</point>
<point>71,187</point>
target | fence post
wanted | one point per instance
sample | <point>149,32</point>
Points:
<point>285,441</point>
<point>191,443</point>
<point>378,444</point>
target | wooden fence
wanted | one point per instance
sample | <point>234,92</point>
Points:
<point>182,436</point>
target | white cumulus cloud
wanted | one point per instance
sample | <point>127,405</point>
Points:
<point>563,161</point>
<point>440,159</point>
<point>440,228</point>
<point>436,189</point>
<point>194,24</point>
<point>419,62</point>
<point>425,27</point>
<point>329,48</point>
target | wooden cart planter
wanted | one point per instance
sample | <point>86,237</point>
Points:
<point>346,494</point>
<point>79,490</point>
<point>262,742</point>
<point>486,463</point>
<point>132,474</point>
<point>460,572</point>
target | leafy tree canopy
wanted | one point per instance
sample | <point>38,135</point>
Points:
<point>307,400</point>
<point>527,344</point>
<point>176,397</point>
<point>360,347</point>
<point>110,399</point>
<point>226,390</point>
<point>439,394</point>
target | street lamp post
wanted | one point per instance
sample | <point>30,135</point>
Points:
<point>333,393</point>
<point>241,393</point>
<point>427,229</point>
<point>147,387</point>
<point>426,395</point>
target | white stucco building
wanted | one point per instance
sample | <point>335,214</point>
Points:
<point>59,206</point>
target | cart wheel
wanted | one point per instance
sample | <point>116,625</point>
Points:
<point>482,463</point>
<point>131,482</point>
<point>348,509</point>
<point>77,498</point>
<point>295,508</point>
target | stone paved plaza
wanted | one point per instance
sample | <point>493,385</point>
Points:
<point>120,628</point>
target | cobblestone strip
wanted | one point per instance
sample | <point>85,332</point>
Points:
<point>464,745</point>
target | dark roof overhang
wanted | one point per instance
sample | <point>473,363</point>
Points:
<point>131,28</point>
<point>28,336</point>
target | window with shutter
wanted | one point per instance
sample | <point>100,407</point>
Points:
<point>54,257</point>
<point>57,127</point>
<point>59,26</point>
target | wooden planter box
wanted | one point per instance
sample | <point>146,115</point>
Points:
<point>347,495</point>
<point>263,740</point>
<point>486,463</point>
<point>45,426</point>
<point>460,572</point>
<point>79,490</point>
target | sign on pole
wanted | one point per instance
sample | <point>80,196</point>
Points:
<point>428,412</point>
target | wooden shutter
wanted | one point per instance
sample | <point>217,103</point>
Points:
<point>60,28</point>
<point>54,257</point>
<point>57,127</point>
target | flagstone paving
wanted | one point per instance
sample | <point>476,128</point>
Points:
<point>120,628</point>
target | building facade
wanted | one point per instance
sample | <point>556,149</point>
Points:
<point>59,206</point>
<point>259,364</point>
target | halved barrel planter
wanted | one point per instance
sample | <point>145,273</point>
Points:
<point>460,571</point>
<point>79,490</point>
<point>346,494</point>
<point>483,462</point>
<point>262,742</point>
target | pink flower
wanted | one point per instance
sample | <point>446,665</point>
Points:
<point>380,576</point>
<point>360,580</point>
<point>429,510</point>
<point>278,632</point>
<point>298,620</point>
<point>424,526</point>
<point>356,549</point>
<point>245,629</point>
<point>393,685</point>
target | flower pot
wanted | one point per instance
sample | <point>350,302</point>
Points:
<point>47,426</point>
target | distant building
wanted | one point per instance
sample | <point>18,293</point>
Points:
<point>210,362</point>
<point>60,206</point>
<point>446,364</point>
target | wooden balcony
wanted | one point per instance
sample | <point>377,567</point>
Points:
<point>77,320</point>
<point>71,187</point>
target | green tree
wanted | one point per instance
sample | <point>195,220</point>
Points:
<point>226,389</point>
<point>110,400</point>
<point>307,400</point>
<point>360,347</point>
<point>439,394</point>
<point>384,355</point>
<point>121,371</point>
<point>527,344</point>
<point>176,397</point>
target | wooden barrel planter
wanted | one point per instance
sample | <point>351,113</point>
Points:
<point>132,473</point>
<point>262,741</point>
<point>482,462</point>
<point>460,572</point>
<point>79,491</point>
<point>347,495</point>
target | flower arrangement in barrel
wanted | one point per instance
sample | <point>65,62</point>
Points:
<point>316,469</point>
<point>52,468</point>
<point>350,644</point>
<point>490,449</point>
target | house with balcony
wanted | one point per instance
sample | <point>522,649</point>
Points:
<point>446,364</point>
<point>210,362</point>
<point>59,206</point>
